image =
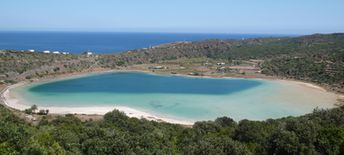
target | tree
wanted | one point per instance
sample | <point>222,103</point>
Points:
<point>34,107</point>
<point>6,149</point>
<point>217,145</point>
<point>283,142</point>
<point>252,132</point>
<point>31,110</point>
<point>225,122</point>
<point>331,141</point>
<point>41,112</point>
<point>28,111</point>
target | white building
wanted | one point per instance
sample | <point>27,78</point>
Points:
<point>31,50</point>
<point>158,67</point>
<point>46,52</point>
<point>65,53</point>
<point>56,52</point>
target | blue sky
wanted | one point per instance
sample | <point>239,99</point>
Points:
<point>197,16</point>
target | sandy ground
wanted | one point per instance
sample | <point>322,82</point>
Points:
<point>309,85</point>
<point>11,101</point>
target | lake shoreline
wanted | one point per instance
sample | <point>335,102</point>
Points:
<point>12,102</point>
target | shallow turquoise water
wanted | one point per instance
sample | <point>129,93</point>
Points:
<point>178,97</point>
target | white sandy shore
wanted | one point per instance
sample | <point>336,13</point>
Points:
<point>12,102</point>
<point>305,84</point>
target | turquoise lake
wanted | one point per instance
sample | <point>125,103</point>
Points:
<point>179,97</point>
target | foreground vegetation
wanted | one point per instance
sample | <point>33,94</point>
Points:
<point>321,132</point>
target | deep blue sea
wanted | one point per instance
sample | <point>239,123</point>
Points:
<point>102,42</point>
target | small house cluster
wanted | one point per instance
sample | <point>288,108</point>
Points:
<point>48,52</point>
<point>88,53</point>
<point>221,63</point>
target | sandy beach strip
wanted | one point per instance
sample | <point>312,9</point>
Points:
<point>304,84</point>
